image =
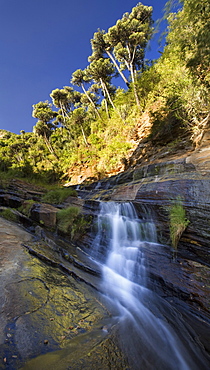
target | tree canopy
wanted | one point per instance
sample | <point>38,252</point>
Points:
<point>94,127</point>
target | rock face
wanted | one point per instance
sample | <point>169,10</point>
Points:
<point>179,276</point>
<point>182,275</point>
<point>48,304</point>
<point>157,186</point>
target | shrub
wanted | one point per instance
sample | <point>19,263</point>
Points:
<point>178,221</point>
<point>70,221</point>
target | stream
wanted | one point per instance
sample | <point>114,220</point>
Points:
<point>152,333</point>
<point>109,320</point>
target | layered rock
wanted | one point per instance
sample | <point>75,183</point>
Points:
<point>180,275</point>
<point>157,186</point>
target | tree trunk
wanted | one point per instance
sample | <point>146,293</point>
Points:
<point>84,137</point>
<point>134,87</point>
<point>63,114</point>
<point>104,92</point>
<point>49,146</point>
<point>109,97</point>
<point>90,100</point>
<point>118,68</point>
<point>106,106</point>
<point>131,69</point>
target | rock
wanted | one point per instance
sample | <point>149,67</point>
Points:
<point>44,214</point>
<point>9,200</point>
<point>156,186</point>
<point>38,303</point>
<point>182,276</point>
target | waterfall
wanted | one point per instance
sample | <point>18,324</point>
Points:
<point>151,332</point>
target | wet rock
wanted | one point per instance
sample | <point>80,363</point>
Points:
<point>155,186</point>
<point>181,276</point>
<point>39,303</point>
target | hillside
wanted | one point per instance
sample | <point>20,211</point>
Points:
<point>92,129</point>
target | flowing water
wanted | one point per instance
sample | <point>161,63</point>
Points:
<point>151,332</point>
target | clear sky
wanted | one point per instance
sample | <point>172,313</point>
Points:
<point>42,42</point>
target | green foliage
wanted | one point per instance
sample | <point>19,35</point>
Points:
<point>58,196</point>
<point>66,217</point>
<point>190,31</point>
<point>43,112</point>
<point>70,221</point>
<point>178,221</point>
<point>92,131</point>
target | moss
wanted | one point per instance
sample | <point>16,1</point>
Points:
<point>178,221</point>
<point>9,214</point>
<point>26,207</point>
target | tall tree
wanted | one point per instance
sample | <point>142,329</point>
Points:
<point>60,100</point>
<point>129,37</point>
<point>78,117</point>
<point>79,78</point>
<point>43,112</point>
<point>125,43</point>
<point>101,71</point>
<point>101,47</point>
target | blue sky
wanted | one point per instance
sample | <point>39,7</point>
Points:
<point>42,42</point>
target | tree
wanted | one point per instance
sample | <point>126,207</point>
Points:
<point>101,71</point>
<point>125,43</point>
<point>190,31</point>
<point>129,38</point>
<point>65,99</point>
<point>101,47</point>
<point>60,100</point>
<point>79,78</point>
<point>78,117</point>
<point>43,112</point>
<point>85,101</point>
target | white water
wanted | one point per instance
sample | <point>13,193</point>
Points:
<point>151,332</point>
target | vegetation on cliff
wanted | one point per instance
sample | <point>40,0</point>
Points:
<point>91,129</point>
<point>178,221</point>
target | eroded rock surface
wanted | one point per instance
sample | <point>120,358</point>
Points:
<point>44,308</point>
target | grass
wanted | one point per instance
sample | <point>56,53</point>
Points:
<point>58,196</point>
<point>71,222</point>
<point>66,217</point>
<point>9,215</point>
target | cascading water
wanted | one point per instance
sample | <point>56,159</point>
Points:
<point>151,332</point>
